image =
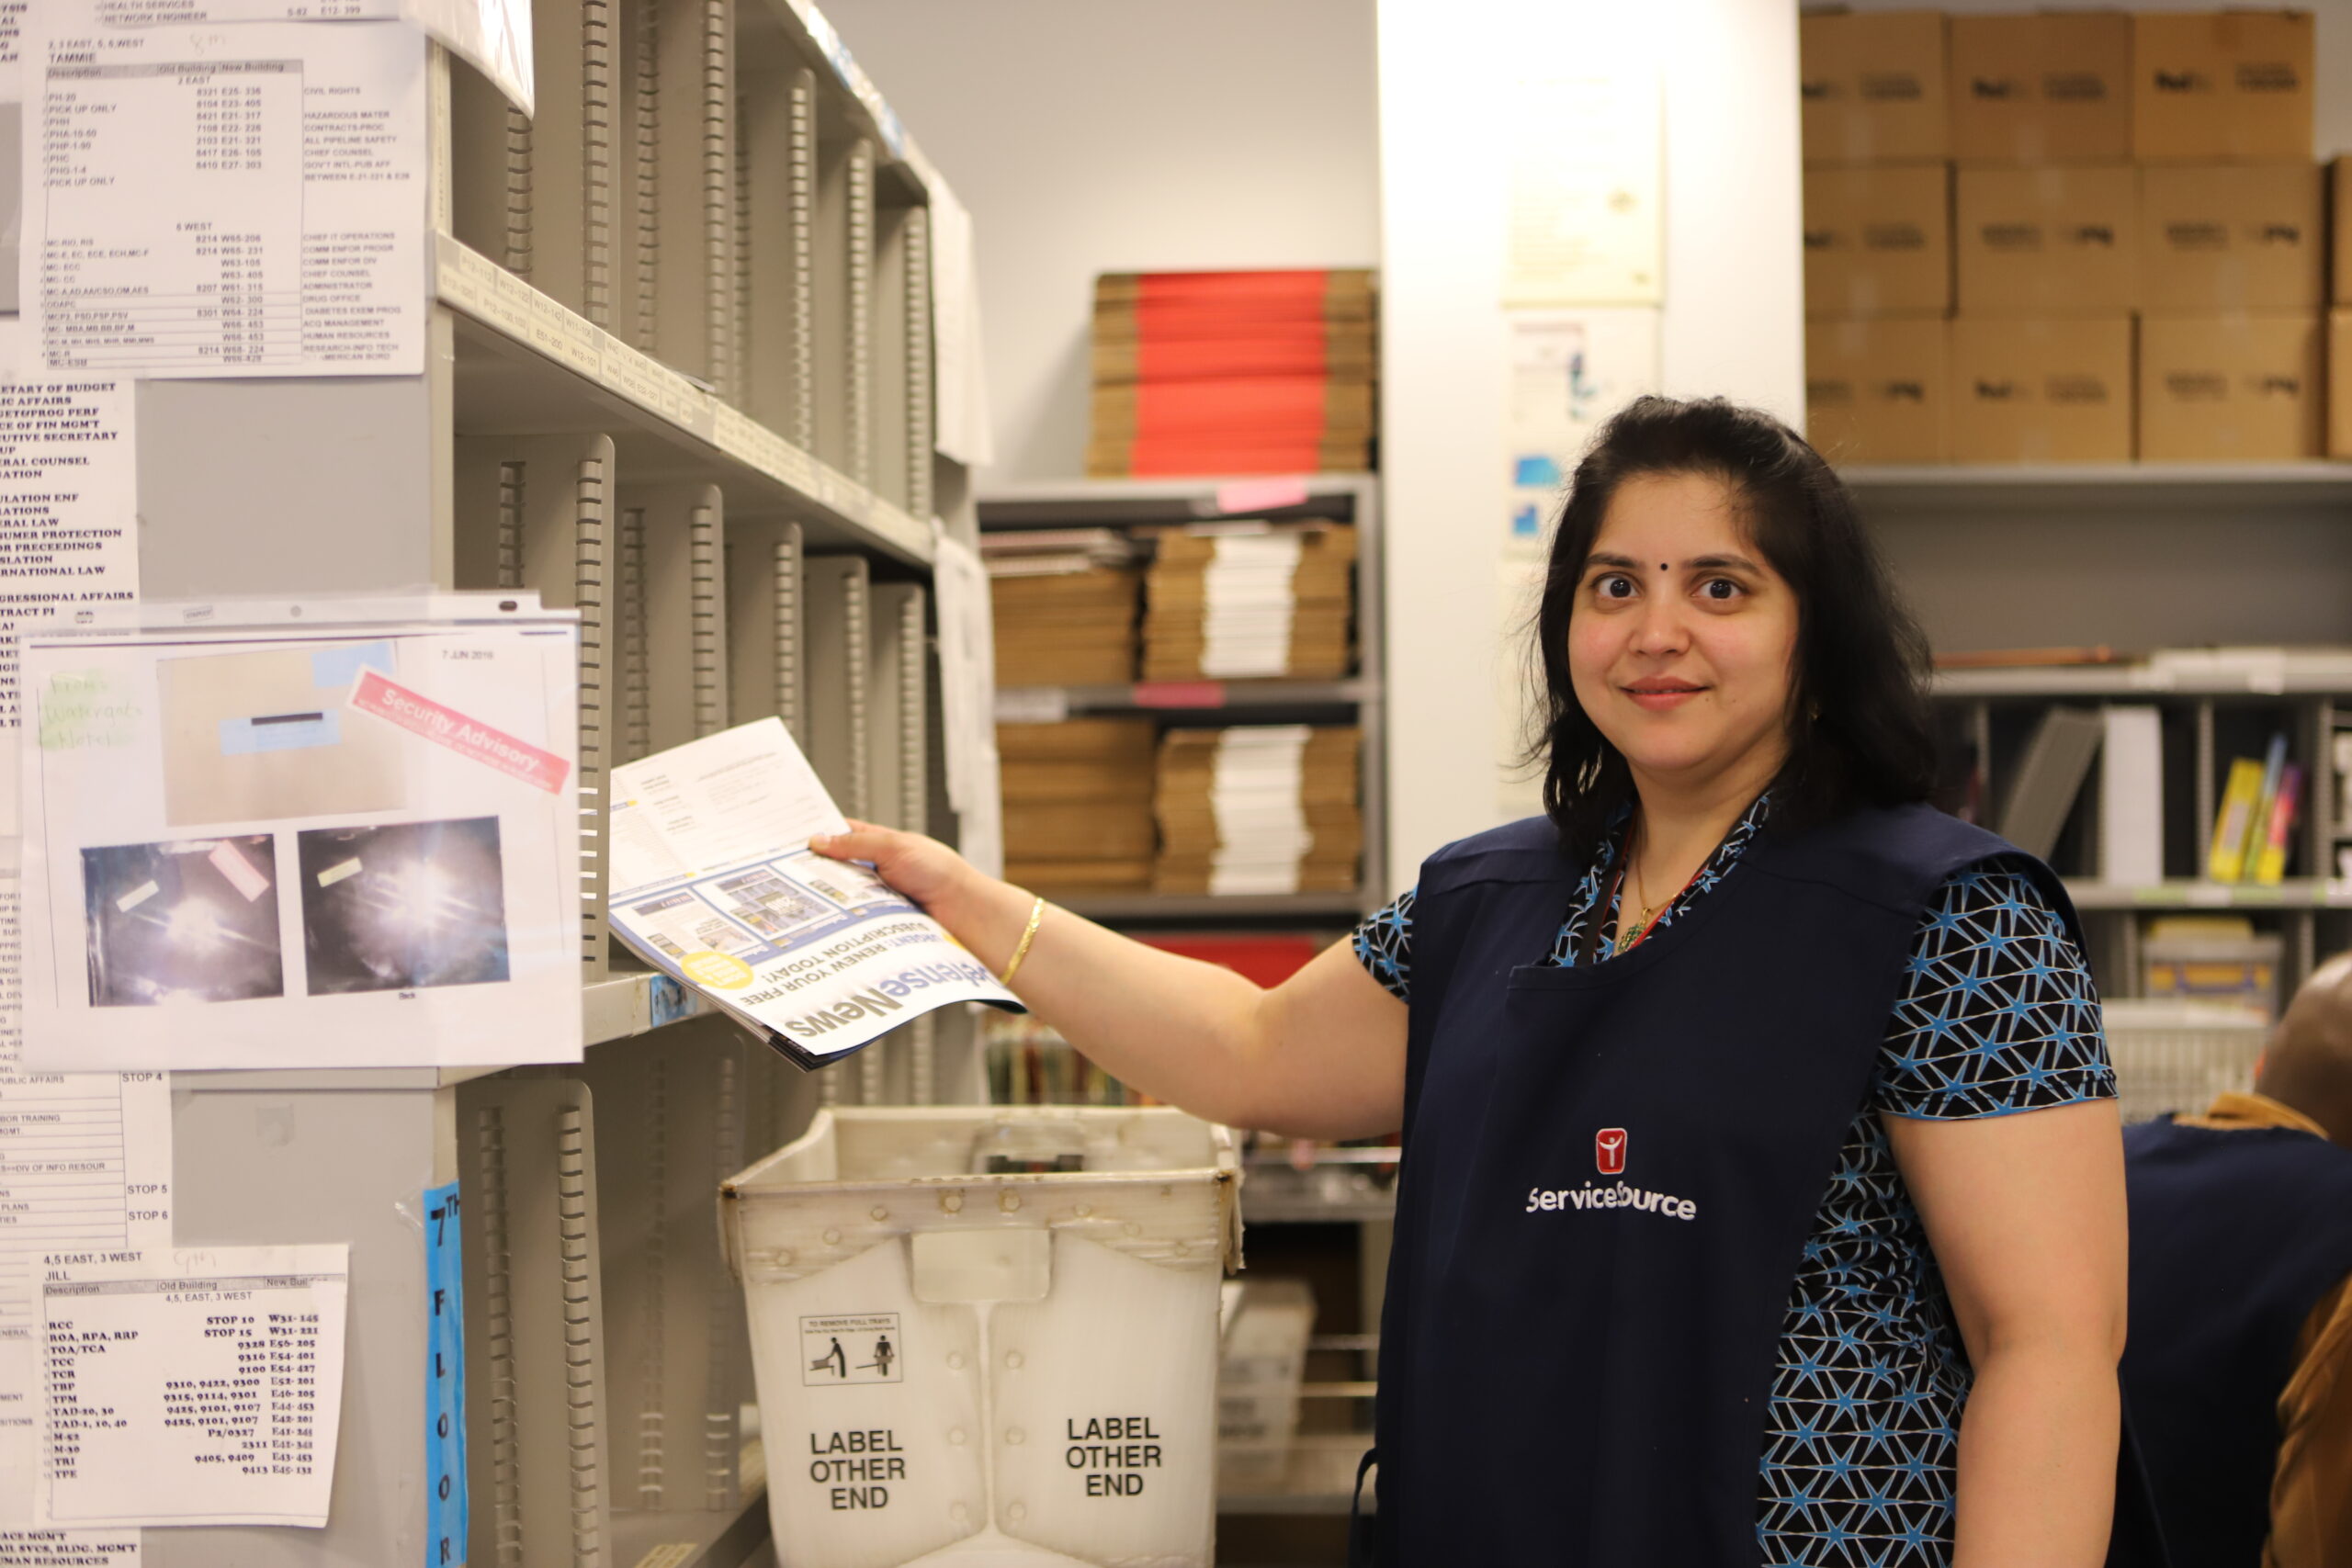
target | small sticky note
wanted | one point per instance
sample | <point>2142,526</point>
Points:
<point>1260,495</point>
<point>231,862</point>
<point>337,872</point>
<point>339,667</point>
<point>1535,472</point>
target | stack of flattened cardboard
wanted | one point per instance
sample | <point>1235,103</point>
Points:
<point>1231,601</point>
<point>1064,603</point>
<point>1077,805</point>
<point>1232,373</point>
<point>1258,809</point>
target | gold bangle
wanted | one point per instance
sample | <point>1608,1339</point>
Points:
<point>1037,914</point>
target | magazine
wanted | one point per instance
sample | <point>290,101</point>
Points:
<point>712,882</point>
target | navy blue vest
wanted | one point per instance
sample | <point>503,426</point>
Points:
<point>1609,1174</point>
<point>2236,1235</point>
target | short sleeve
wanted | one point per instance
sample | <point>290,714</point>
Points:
<point>1384,944</point>
<point>1997,1012</point>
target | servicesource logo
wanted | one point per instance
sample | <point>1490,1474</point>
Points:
<point>1609,1146</point>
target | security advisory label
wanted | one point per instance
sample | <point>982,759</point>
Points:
<point>851,1347</point>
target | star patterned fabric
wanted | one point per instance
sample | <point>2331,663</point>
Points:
<point>1996,1015</point>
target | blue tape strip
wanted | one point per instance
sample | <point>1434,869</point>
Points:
<point>341,666</point>
<point>445,1383</point>
<point>278,732</point>
<point>1537,473</point>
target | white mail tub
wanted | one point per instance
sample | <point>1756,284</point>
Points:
<point>988,1338</point>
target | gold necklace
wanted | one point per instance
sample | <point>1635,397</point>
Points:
<point>1630,936</point>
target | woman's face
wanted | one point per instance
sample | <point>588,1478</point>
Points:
<point>1682,642</point>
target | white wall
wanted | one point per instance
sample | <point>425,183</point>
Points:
<point>1733,326</point>
<point>1090,136</point>
<point>2332,71</point>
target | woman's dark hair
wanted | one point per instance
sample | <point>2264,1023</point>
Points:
<point>1858,724</point>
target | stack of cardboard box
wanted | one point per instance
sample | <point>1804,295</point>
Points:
<point>1077,805</point>
<point>2136,237</point>
<point>1233,372</point>
<point>1878,274</point>
<point>1232,601</point>
<point>1063,616</point>
<point>1259,809</point>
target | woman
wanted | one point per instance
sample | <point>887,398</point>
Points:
<point>1722,1238</point>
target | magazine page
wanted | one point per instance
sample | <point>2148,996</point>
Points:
<point>712,880</point>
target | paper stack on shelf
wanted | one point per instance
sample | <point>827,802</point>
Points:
<point>1227,602</point>
<point>1077,805</point>
<point>1264,808</point>
<point>1064,602</point>
<point>1233,373</point>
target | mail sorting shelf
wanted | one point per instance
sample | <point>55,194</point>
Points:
<point>639,1414</point>
<point>679,366</point>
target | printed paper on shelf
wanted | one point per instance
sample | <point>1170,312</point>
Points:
<point>966,688</point>
<point>218,201</point>
<point>192,1385</point>
<point>494,35</point>
<point>712,882</point>
<point>69,1548</point>
<point>230,864</point>
<point>13,14</point>
<point>962,431</point>
<point>86,1158</point>
<point>69,541</point>
<point>86,1167</point>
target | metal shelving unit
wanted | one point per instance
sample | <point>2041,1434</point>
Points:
<point>678,359</point>
<point>2246,560</point>
<point>2099,486</point>
<point>1315,1482</point>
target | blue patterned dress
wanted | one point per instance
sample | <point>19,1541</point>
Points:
<point>1997,1015</point>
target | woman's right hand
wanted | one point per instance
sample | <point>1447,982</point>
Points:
<point>922,868</point>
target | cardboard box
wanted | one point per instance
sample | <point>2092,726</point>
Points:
<point>2049,241</point>
<point>2339,383</point>
<point>2223,237</point>
<point>1878,241</point>
<point>2046,88</point>
<point>2230,388</point>
<point>1876,391</point>
<point>1873,87</point>
<point>2221,85</point>
<point>2041,389</point>
<point>2339,206</point>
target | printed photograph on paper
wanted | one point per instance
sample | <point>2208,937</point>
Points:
<point>184,920</point>
<point>403,907</point>
<point>264,737</point>
<point>767,904</point>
